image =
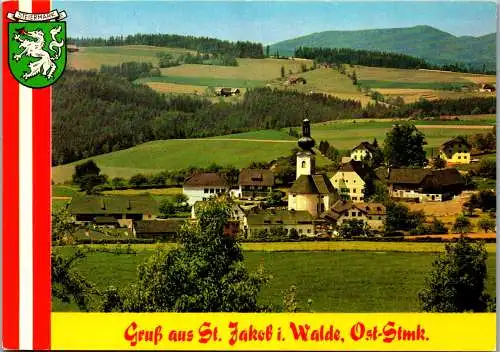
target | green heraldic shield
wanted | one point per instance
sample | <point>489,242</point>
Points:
<point>37,52</point>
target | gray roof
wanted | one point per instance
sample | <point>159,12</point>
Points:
<point>206,179</point>
<point>312,184</point>
<point>280,217</point>
<point>104,205</point>
<point>354,166</point>
<point>158,226</point>
<point>256,177</point>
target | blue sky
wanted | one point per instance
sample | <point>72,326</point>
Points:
<point>269,22</point>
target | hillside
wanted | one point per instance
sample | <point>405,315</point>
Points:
<point>241,149</point>
<point>426,42</point>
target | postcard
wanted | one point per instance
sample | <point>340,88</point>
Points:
<point>249,175</point>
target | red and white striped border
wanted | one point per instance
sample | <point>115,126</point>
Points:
<point>26,204</point>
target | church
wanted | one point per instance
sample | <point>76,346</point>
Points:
<point>310,192</point>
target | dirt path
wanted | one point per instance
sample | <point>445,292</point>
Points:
<point>242,140</point>
<point>456,127</point>
<point>61,198</point>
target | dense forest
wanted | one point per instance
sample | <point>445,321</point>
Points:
<point>335,56</point>
<point>95,113</point>
<point>199,44</point>
<point>360,57</point>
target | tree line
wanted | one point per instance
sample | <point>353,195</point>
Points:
<point>96,113</point>
<point>200,44</point>
<point>374,58</point>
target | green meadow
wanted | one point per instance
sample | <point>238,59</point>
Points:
<point>241,149</point>
<point>335,281</point>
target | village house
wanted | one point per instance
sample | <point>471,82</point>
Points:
<point>455,151</point>
<point>202,186</point>
<point>227,92</point>
<point>372,214</point>
<point>349,180</point>
<point>165,229</point>
<point>255,183</point>
<point>310,192</point>
<point>488,88</point>
<point>295,80</point>
<point>301,220</point>
<point>363,151</point>
<point>422,185</point>
<point>113,211</point>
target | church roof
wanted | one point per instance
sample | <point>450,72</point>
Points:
<point>312,184</point>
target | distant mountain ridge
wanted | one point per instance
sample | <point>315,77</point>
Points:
<point>429,43</point>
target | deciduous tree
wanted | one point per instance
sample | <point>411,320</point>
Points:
<point>457,280</point>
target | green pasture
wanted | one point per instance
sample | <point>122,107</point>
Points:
<point>414,85</point>
<point>93,57</point>
<point>347,135</point>
<point>157,156</point>
<point>204,81</point>
<point>240,149</point>
<point>335,281</point>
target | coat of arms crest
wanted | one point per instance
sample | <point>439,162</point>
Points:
<point>37,47</point>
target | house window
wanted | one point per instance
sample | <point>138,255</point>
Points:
<point>303,164</point>
<point>354,198</point>
<point>459,157</point>
<point>353,213</point>
<point>308,230</point>
<point>354,190</point>
<point>361,198</point>
<point>211,190</point>
<point>359,213</point>
<point>204,198</point>
<point>300,230</point>
<point>380,218</point>
<point>205,190</point>
<point>353,181</point>
<point>369,218</point>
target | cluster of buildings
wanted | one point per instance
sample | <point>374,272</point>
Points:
<point>316,204</point>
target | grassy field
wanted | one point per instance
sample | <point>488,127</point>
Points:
<point>157,156</point>
<point>241,149</point>
<point>93,57</point>
<point>405,247</point>
<point>247,69</point>
<point>419,76</point>
<point>204,81</point>
<point>335,281</point>
<point>331,82</point>
<point>346,135</point>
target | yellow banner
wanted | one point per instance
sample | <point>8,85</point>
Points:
<point>275,331</point>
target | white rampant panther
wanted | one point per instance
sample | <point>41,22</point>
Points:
<point>45,65</point>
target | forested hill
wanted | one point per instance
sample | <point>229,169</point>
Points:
<point>425,42</point>
<point>97,113</point>
<point>200,44</point>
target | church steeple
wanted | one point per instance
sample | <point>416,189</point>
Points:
<point>306,143</point>
<point>305,158</point>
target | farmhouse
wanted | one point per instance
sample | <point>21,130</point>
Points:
<point>202,186</point>
<point>71,48</point>
<point>295,80</point>
<point>301,220</point>
<point>455,151</point>
<point>109,210</point>
<point>310,192</point>
<point>227,92</point>
<point>157,229</point>
<point>486,87</point>
<point>372,214</point>
<point>363,151</point>
<point>349,180</point>
<point>422,184</point>
<point>255,182</point>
